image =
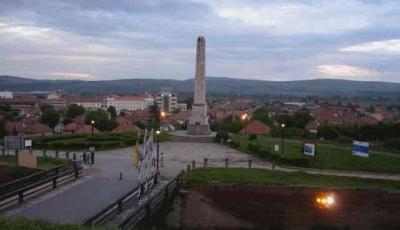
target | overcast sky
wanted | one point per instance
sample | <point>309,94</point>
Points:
<point>268,40</point>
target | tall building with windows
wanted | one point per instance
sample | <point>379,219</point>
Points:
<point>167,101</point>
<point>130,102</point>
<point>6,95</point>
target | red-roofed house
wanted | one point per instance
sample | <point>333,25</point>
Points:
<point>31,128</point>
<point>75,128</point>
<point>124,125</point>
<point>255,128</point>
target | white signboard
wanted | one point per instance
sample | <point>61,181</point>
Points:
<point>28,143</point>
<point>309,149</point>
<point>276,148</point>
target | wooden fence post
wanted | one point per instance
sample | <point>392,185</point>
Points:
<point>67,154</point>
<point>250,162</point>
<point>205,162</point>
<point>44,153</point>
<point>20,196</point>
<point>56,153</point>
<point>193,164</point>
<point>188,168</point>
<point>55,178</point>
<point>226,162</point>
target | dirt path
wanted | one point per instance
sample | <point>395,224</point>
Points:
<point>223,207</point>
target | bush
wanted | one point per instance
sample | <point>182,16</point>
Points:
<point>252,136</point>
<point>235,144</point>
<point>345,139</point>
<point>221,134</point>
<point>393,143</point>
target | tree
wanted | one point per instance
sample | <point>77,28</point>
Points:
<point>301,118</point>
<point>49,116</point>
<point>100,117</point>
<point>74,111</point>
<point>112,111</point>
<point>2,129</point>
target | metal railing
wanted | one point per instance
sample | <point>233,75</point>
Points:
<point>19,189</point>
<point>152,204</point>
<point>118,204</point>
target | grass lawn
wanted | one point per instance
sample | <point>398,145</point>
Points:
<point>24,224</point>
<point>258,177</point>
<point>43,162</point>
<point>329,155</point>
<point>101,141</point>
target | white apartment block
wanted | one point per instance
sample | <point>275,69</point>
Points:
<point>89,105</point>
<point>130,102</point>
<point>167,101</point>
<point>6,95</point>
<point>182,106</point>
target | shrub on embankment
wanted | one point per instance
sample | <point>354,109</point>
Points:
<point>262,177</point>
<point>25,224</point>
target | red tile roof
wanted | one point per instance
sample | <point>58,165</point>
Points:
<point>30,128</point>
<point>124,125</point>
<point>255,127</point>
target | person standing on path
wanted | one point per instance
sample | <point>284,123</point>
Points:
<point>92,158</point>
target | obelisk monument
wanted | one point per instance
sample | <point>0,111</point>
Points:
<point>198,120</point>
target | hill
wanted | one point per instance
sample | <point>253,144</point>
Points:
<point>218,85</point>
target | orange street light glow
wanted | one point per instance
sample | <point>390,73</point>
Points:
<point>325,201</point>
<point>244,116</point>
<point>162,114</point>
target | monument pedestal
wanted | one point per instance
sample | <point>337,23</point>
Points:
<point>194,129</point>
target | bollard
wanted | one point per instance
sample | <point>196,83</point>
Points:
<point>162,160</point>
<point>250,162</point>
<point>120,176</point>
<point>120,209</point>
<point>74,156</point>
<point>56,153</point>
<point>188,168</point>
<point>193,164</point>
<point>226,162</point>
<point>67,155</point>
<point>205,162</point>
<point>44,153</point>
<point>273,165</point>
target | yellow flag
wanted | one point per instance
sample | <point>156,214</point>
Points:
<point>135,153</point>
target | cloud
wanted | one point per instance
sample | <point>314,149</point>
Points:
<point>347,72</point>
<point>69,76</point>
<point>384,46</point>
<point>322,17</point>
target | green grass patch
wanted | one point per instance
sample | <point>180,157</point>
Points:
<point>25,224</point>
<point>101,141</point>
<point>43,162</point>
<point>260,177</point>
<point>336,156</point>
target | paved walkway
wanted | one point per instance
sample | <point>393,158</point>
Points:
<point>75,202</point>
<point>78,201</point>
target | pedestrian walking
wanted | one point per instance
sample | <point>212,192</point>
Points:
<point>84,156</point>
<point>92,157</point>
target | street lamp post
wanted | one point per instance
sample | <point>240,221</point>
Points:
<point>283,137</point>
<point>92,123</point>
<point>158,148</point>
<point>244,119</point>
<point>162,115</point>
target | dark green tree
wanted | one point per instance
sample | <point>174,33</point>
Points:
<point>301,118</point>
<point>112,111</point>
<point>100,117</point>
<point>74,111</point>
<point>50,118</point>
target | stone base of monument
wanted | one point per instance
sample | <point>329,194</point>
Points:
<point>183,136</point>
<point>198,129</point>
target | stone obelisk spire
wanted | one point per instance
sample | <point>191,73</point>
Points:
<point>198,121</point>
